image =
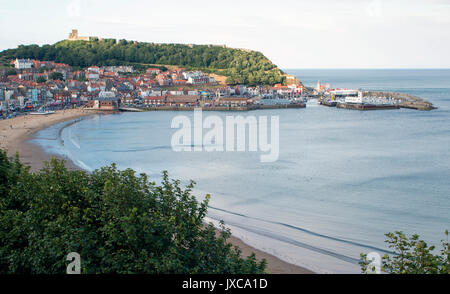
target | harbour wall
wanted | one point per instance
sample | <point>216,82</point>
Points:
<point>216,108</point>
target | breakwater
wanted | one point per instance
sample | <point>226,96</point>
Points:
<point>406,100</point>
<point>366,106</point>
<point>213,108</point>
<point>399,100</point>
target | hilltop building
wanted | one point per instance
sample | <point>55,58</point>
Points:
<point>73,36</point>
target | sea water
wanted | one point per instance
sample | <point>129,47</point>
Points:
<point>343,179</point>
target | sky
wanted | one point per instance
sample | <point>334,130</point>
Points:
<point>292,33</point>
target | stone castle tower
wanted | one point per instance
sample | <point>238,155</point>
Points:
<point>73,36</point>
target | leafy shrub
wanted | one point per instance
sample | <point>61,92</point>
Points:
<point>412,256</point>
<point>118,222</point>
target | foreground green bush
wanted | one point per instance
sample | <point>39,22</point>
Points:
<point>118,222</point>
<point>411,256</point>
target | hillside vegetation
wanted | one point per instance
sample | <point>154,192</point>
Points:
<point>239,66</point>
<point>118,221</point>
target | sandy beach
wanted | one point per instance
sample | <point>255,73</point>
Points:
<point>15,134</point>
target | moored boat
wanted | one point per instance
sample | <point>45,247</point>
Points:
<point>42,112</point>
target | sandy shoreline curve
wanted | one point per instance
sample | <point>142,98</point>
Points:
<point>15,134</point>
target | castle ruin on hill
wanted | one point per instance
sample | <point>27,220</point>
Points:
<point>73,36</point>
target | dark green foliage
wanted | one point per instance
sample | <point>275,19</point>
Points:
<point>56,76</point>
<point>11,72</point>
<point>43,69</point>
<point>40,80</point>
<point>240,66</point>
<point>118,222</point>
<point>412,256</point>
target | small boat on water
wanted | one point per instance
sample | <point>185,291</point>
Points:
<point>42,112</point>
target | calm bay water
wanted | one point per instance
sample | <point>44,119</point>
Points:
<point>343,179</point>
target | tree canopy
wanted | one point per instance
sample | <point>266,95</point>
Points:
<point>246,67</point>
<point>56,76</point>
<point>411,256</point>
<point>118,222</point>
<point>41,80</point>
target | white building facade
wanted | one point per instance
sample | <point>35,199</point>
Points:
<point>22,63</point>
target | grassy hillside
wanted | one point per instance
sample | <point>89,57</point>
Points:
<point>238,66</point>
